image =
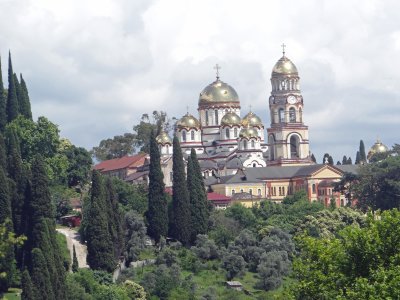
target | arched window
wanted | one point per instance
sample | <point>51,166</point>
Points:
<point>281,115</point>
<point>245,144</point>
<point>167,149</point>
<point>294,146</point>
<point>216,117</point>
<point>300,115</point>
<point>259,192</point>
<point>192,135</point>
<point>313,188</point>
<point>251,191</point>
<point>271,142</point>
<point>206,117</point>
<point>292,114</point>
<point>183,136</point>
<point>235,132</point>
<point>254,165</point>
<point>227,133</point>
<point>233,192</point>
<point>253,144</point>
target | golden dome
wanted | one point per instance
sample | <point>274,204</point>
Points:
<point>378,147</point>
<point>188,121</point>
<point>251,119</point>
<point>163,138</point>
<point>218,92</point>
<point>230,119</point>
<point>284,66</point>
<point>248,133</point>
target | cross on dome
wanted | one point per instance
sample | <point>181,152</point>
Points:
<point>283,48</point>
<point>217,68</point>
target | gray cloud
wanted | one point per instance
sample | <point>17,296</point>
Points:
<point>95,67</point>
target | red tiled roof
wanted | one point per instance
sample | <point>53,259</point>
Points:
<point>121,163</point>
<point>212,196</point>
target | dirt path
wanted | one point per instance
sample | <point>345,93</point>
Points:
<point>73,238</point>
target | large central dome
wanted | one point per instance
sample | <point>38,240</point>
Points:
<point>218,92</point>
<point>284,66</point>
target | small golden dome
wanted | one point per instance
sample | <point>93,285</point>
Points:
<point>163,138</point>
<point>218,92</point>
<point>251,119</point>
<point>284,66</point>
<point>188,121</point>
<point>378,147</point>
<point>248,133</point>
<point>230,119</point>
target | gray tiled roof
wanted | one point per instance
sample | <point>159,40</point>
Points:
<point>348,168</point>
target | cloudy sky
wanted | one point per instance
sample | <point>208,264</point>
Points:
<point>95,66</point>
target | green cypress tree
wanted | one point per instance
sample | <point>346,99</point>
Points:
<point>344,160</point>
<point>198,197</point>
<point>18,90</point>
<point>27,286</point>
<point>363,156</point>
<point>180,223</point>
<point>157,213</point>
<point>3,153</point>
<point>3,104</point>
<point>41,203</point>
<point>100,248</point>
<point>75,264</point>
<point>358,160</point>
<point>114,218</point>
<point>12,100</point>
<point>42,288</point>
<point>313,159</point>
<point>5,204</point>
<point>349,161</point>
<point>25,108</point>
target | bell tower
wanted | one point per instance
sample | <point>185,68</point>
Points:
<point>287,136</point>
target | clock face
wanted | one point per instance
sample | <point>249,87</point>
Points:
<point>291,99</point>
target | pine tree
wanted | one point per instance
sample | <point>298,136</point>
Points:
<point>338,163</point>
<point>358,160</point>
<point>12,100</point>
<point>3,105</point>
<point>363,156</point>
<point>27,286</point>
<point>25,107</point>
<point>100,247</point>
<point>349,161</point>
<point>198,197</point>
<point>344,160</point>
<point>313,159</point>
<point>180,225</point>
<point>42,288</point>
<point>75,264</point>
<point>157,214</point>
<point>114,218</point>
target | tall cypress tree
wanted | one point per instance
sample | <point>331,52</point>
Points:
<point>358,159</point>
<point>363,156</point>
<point>198,197</point>
<point>114,218</point>
<point>27,286</point>
<point>25,103</point>
<point>18,90</point>
<point>180,225</point>
<point>3,104</point>
<point>42,288</point>
<point>75,264</point>
<point>344,160</point>
<point>100,247</point>
<point>12,100</point>
<point>157,213</point>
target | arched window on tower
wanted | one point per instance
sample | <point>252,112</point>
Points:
<point>245,144</point>
<point>253,144</point>
<point>292,114</point>
<point>271,142</point>
<point>216,117</point>
<point>227,133</point>
<point>206,117</point>
<point>235,132</point>
<point>183,136</point>
<point>281,115</point>
<point>294,146</point>
<point>192,135</point>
